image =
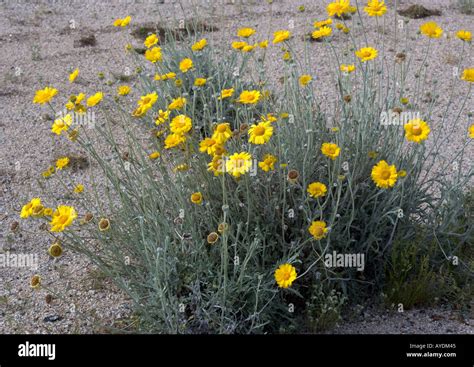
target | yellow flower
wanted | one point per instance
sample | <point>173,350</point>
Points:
<point>471,131</point>
<point>280,36</point>
<point>153,54</point>
<point>196,198</point>
<point>245,32</point>
<point>185,65</point>
<point>180,124</point>
<point>222,133</point>
<point>238,164</point>
<point>304,80</point>
<point>48,212</point>
<point>28,209</point>
<point>198,46</point>
<point>268,118</point>
<point>62,218</point>
<point>177,103</point>
<point>238,45</point>
<point>55,250</point>
<point>79,188</point>
<point>268,163</point>
<point>317,189</point>
<point>44,95</point>
<point>208,145</point>
<point>62,163</point>
<point>248,48</point>
<point>468,75</point>
<point>122,22</point>
<point>366,53</point>
<point>226,93</point>
<point>375,8</point>
<point>217,165</point>
<point>95,99</point>
<point>463,35</point>
<point>402,173</point>
<point>199,82</point>
<point>404,101</point>
<point>61,124</point>
<point>104,224</point>
<point>73,76</point>
<point>249,97</point>
<point>431,30</point>
<point>263,44</point>
<point>318,229</point>
<point>154,155</point>
<point>35,281</point>
<point>123,90</point>
<point>322,23</point>
<point>321,32</point>
<point>347,68</point>
<point>285,275</point>
<point>384,175</point>
<point>147,101</point>
<point>151,40</point>
<point>173,140</point>
<point>338,8</point>
<point>260,133</point>
<point>416,130</point>
<point>178,82</point>
<point>162,117</point>
<point>330,150</point>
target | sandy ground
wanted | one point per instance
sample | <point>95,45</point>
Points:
<point>37,43</point>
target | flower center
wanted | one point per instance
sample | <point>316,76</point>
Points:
<point>286,275</point>
<point>416,130</point>
<point>385,175</point>
<point>222,128</point>
<point>259,130</point>
<point>318,231</point>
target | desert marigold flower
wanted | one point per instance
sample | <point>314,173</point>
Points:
<point>199,82</point>
<point>431,30</point>
<point>207,146</point>
<point>151,40</point>
<point>330,150</point>
<point>402,173</point>
<point>226,93</point>
<point>196,198</point>
<point>177,103</point>
<point>199,45</point>
<point>61,124</point>
<point>384,175</point>
<point>55,250</point>
<point>62,218</point>
<point>347,68</point>
<point>178,82</point>
<point>338,8</point>
<point>173,140</point>
<point>238,164</point>
<point>248,48</point>
<point>317,189</point>
<point>162,117</point>
<point>268,163</point>
<point>153,54</point>
<point>471,131</point>
<point>286,56</point>
<point>122,22</point>
<point>73,76</point>
<point>147,101</point>
<point>217,165</point>
<point>322,32</point>
<point>79,188</point>
<point>95,99</point>
<point>123,90</point>
<point>375,8</point>
<point>222,133</point>
<point>239,45</point>
<point>416,130</point>
<point>62,163</point>
<point>28,209</point>
<point>45,95</point>
<point>322,23</point>
<point>463,35</point>
<point>104,224</point>
<point>154,155</point>
<point>304,80</point>
<point>49,172</point>
<point>180,124</point>
<point>185,65</point>
<point>245,32</point>
<point>404,101</point>
<point>468,75</point>
<point>260,133</point>
<point>281,36</point>
<point>318,229</point>
<point>35,281</point>
<point>249,97</point>
<point>212,238</point>
<point>263,44</point>
<point>48,212</point>
<point>366,54</point>
<point>292,176</point>
<point>285,275</point>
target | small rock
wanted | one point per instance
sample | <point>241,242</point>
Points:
<point>52,318</point>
